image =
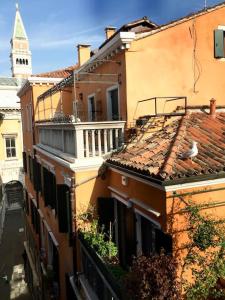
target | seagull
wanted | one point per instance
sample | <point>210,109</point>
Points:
<point>190,153</point>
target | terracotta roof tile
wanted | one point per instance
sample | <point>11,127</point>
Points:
<point>61,73</point>
<point>158,155</point>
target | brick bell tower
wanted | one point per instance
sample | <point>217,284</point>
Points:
<point>21,64</point>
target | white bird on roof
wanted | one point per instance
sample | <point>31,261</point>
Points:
<point>190,153</point>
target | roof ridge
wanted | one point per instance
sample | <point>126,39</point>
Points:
<point>168,164</point>
<point>185,18</point>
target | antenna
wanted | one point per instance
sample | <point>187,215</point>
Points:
<point>17,6</point>
<point>205,4</point>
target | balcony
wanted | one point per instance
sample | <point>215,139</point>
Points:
<point>81,141</point>
<point>96,278</point>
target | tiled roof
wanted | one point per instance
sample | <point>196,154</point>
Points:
<point>62,73</point>
<point>158,155</point>
<point>138,26</point>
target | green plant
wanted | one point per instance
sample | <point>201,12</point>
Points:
<point>206,256</point>
<point>97,239</point>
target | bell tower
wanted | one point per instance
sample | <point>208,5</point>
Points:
<point>20,56</point>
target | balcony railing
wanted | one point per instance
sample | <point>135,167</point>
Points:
<point>102,282</point>
<point>82,140</point>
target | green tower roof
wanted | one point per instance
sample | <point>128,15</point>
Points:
<point>19,30</point>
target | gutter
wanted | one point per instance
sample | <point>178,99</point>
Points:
<point>168,183</point>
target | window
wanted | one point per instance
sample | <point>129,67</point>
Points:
<point>91,108</point>
<point>10,143</point>
<point>219,49</point>
<point>150,237</point>
<point>113,104</point>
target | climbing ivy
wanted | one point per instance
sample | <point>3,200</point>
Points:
<point>206,256</point>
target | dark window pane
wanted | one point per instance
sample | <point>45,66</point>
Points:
<point>13,142</point>
<point>8,152</point>
<point>13,151</point>
<point>7,142</point>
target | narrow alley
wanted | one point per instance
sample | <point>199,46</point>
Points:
<point>12,277</point>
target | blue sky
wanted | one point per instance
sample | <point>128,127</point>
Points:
<point>55,27</point>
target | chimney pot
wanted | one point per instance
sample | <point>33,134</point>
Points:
<point>84,53</point>
<point>109,31</point>
<point>213,108</point>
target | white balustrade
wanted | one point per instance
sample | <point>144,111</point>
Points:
<point>83,140</point>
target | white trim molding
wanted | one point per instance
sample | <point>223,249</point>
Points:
<point>172,188</point>
<point>114,190</point>
<point>121,41</point>
<point>146,207</point>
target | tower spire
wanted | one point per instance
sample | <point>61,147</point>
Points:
<point>20,52</point>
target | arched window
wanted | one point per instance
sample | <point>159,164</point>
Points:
<point>26,61</point>
<point>17,61</point>
<point>23,61</point>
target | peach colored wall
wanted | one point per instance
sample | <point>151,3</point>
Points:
<point>39,89</point>
<point>162,64</point>
<point>87,193</point>
<point>177,220</point>
<point>30,97</point>
<point>60,102</point>
<point>147,194</point>
<point>100,90</point>
<point>65,251</point>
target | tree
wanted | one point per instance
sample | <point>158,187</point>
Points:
<point>153,277</point>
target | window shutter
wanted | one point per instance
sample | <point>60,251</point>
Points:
<point>163,240</point>
<point>62,208</point>
<point>35,173</point>
<point>27,203</point>
<point>69,217</point>
<point>219,43</point>
<point>130,235</point>
<point>105,212</point>
<point>47,186</point>
<point>38,166</point>
<point>25,162</point>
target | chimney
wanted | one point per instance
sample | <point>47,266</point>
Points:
<point>84,53</point>
<point>212,108</point>
<point>109,31</point>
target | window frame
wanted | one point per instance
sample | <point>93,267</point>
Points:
<point>222,28</point>
<point>155,225</point>
<point>10,136</point>
<point>109,102</point>
<point>91,113</point>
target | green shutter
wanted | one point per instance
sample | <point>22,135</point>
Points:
<point>106,212</point>
<point>219,43</point>
<point>69,217</point>
<point>62,208</point>
<point>25,162</point>
<point>163,241</point>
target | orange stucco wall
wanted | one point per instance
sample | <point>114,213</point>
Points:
<point>115,66</point>
<point>177,61</point>
<point>146,194</point>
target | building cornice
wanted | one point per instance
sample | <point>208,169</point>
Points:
<point>121,41</point>
<point>37,80</point>
<point>172,187</point>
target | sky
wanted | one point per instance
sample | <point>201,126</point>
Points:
<point>54,27</point>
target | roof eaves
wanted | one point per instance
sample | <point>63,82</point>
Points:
<point>125,27</point>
